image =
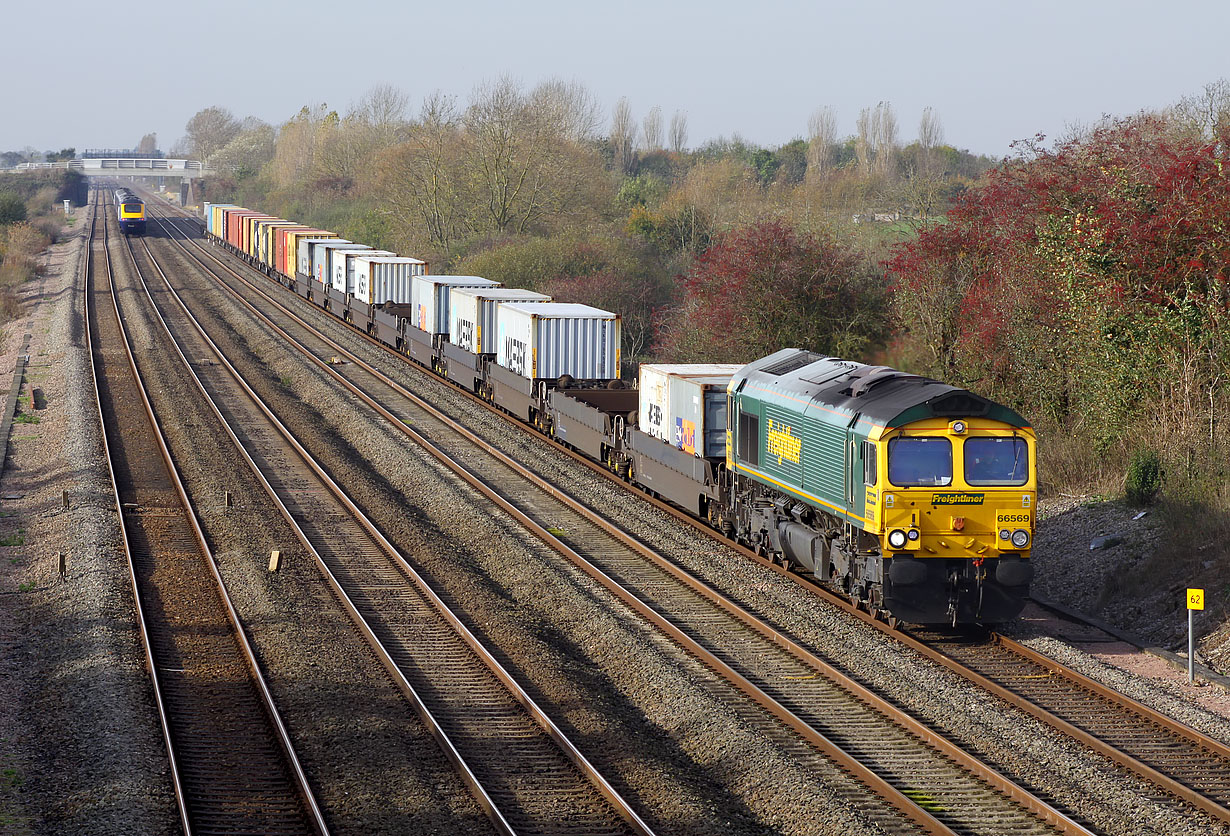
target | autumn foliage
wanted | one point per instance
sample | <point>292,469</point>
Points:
<point>1086,285</point>
<point>766,286</point>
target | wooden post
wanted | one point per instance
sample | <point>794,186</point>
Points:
<point>275,560</point>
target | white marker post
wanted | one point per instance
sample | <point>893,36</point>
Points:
<point>1195,601</point>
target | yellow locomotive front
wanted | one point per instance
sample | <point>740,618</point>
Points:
<point>953,505</point>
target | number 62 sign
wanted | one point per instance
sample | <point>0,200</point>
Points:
<point>1195,599</point>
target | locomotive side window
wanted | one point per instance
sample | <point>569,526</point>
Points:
<point>919,461</point>
<point>869,463</point>
<point>996,461</point>
<point>749,438</point>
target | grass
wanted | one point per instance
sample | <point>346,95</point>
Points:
<point>26,418</point>
<point>26,587</point>
<point>18,539</point>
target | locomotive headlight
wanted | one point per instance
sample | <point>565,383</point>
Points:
<point>1004,534</point>
<point>912,534</point>
<point>958,428</point>
<point>896,538</point>
<point>1020,538</point>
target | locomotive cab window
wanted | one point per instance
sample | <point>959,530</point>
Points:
<point>996,461</point>
<point>922,461</point>
<point>869,463</point>
<point>749,438</point>
<point>133,207</point>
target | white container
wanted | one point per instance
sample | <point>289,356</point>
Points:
<point>306,254</point>
<point>322,257</point>
<point>472,310</point>
<point>539,340</point>
<point>684,404</point>
<point>378,280</point>
<point>430,296</point>
<point>342,277</point>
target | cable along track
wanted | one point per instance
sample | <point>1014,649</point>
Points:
<point>520,767</point>
<point>931,782</point>
<point>232,765</point>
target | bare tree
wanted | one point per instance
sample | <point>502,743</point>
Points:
<point>570,107</point>
<point>821,136</point>
<point>148,144</point>
<point>885,126</point>
<point>298,141</point>
<point>863,142</point>
<point>420,184</point>
<point>1207,111</point>
<point>523,166</point>
<point>651,129</point>
<point>623,135</point>
<point>930,137</point>
<point>679,132</point>
<point>209,130</point>
<point>382,111</point>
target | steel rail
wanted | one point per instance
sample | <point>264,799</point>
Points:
<point>1022,797</point>
<point>516,690</point>
<point>281,734</point>
<point>1122,758</point>
<point>164,721</point>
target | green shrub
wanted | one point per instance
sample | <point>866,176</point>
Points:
<point>1144,477</point>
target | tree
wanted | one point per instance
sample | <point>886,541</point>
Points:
<point>623,136</point>
<point>651,129</point>
<point>765,286</point>
<point>821,137</point>
<point>885,127</point>
<point>679,132</point>
<point>930,137</point>
<point>1085,282</point>
<point>12,208</point>
<point>421,183</point>
<point>209,130</point>
<point>148,144</point>
<point>522,166</point>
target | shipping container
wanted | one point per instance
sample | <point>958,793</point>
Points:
<point>429,299</point>
<point>268,237</point>
<point>234,225</point>
<point>543,340</point>
<point>343,267</point>
<point>307,252</point>
<point>322,257</point>
<point>471,317</point>
<point>289,257</point>
<point>255,225</point>
<point>277,244</point>
<point>217,218</point>
<point>249,231</point>
<point>684,404</point>
<point>380,280</point>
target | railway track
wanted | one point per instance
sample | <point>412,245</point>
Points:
<point>525,773</point>
<point>928,781</point>
<point>232,765</point>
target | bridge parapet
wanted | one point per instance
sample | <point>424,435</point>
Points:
<point>137,167</point>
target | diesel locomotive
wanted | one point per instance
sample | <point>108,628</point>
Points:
<point>914,498</point>
<point>130,210</point>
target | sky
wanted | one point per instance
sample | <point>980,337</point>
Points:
<point>96,76</point>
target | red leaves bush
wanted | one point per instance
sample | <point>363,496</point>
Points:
<point>766,286</point>
<point>1085,283</point>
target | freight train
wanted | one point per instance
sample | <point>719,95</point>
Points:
<point>913,498</point>
<point>130,210</point>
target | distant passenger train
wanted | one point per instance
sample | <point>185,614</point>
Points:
<point>130,210</point>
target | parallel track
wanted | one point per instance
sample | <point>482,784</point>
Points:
<point>232,764</point>
<point>518,764</point>
<point>933,783</point>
